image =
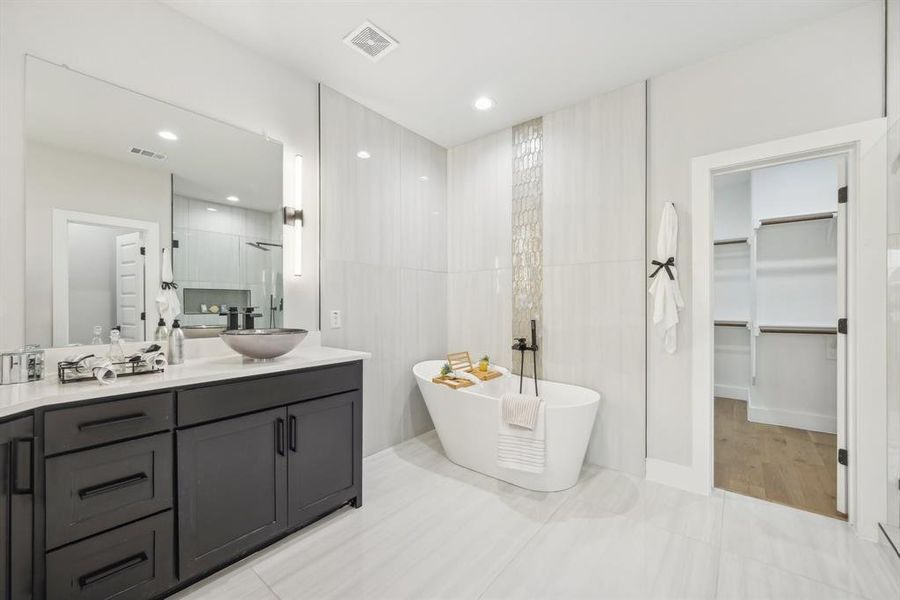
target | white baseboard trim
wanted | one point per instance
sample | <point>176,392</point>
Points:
<point>790,418</point>
<point>675,475</point>
<point>735,392</point>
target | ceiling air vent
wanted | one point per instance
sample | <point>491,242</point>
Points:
<point>147,153</point>
<point>370,41</point>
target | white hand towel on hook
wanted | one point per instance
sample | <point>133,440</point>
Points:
<point>667,299</point>
<point>167,300</point>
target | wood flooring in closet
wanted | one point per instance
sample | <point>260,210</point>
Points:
<point>780,464</point>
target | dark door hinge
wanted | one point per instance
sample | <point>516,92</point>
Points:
<point>842,195</point>
<point>143,251</point>
<point>174,243</point>
<point>842,456</point>
<point>842,325</point>
<point>143,316</point>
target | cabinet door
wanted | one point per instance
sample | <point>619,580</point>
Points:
<point>232,478</point>
<point>16,508</point>
<point>325,455</point>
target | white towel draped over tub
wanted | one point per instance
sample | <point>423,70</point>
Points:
<point>520,448</point>
<point>667,299</point>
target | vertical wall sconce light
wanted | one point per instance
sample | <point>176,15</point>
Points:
<point>293,215</point>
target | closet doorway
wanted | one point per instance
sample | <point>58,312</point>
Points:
<point>780,299</point>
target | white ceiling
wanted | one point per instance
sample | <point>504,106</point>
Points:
<point>210,160</point>
<point>532,57</point>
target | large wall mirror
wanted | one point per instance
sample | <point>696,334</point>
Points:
<point>118,185</point>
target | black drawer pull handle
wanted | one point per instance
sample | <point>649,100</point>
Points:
<point>111,486</point>
<point>279,436</point>
<point>113,421</point>
<point>292,433</point>
<point>22,465</point>
<point>113,569</point>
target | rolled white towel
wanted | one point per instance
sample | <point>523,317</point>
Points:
<point>159,361</point>
<point>103,370</point>
<point>465,375</point>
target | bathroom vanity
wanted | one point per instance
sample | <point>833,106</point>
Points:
<point>134,490</point>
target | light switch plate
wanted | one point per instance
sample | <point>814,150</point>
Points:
<point>335,319</point>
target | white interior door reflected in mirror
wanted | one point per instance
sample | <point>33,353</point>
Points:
<point>129,285</point>
<point>99,276</point>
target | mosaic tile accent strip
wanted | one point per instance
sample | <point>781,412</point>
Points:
<point>527,235</point>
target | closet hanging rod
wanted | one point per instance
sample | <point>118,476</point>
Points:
<point>797,218</point>
<point>799,329</point>
<point>730,241</point>
<point>731,323</point>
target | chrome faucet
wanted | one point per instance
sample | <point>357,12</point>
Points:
<point>522,347</point>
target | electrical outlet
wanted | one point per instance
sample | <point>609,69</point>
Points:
<point>335,319</point>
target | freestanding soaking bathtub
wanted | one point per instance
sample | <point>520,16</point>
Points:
<point>466,422</point>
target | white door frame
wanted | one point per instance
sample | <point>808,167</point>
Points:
<point>864,145</point>
<point>60,265</point>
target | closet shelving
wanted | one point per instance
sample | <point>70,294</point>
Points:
<point>776,293</point>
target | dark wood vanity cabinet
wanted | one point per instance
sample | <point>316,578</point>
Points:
<point>232,482</point>
<point>140,496</point>
<point>16,508</point>
<point>324,460</point>
<point>244,481</point>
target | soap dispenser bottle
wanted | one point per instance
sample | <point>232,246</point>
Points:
<point>116,348</point>
<point>175,352</point>
<point>162,333</point>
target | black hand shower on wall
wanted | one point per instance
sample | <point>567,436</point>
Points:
<point>521,346</point>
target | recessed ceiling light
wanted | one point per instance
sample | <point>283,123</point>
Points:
<point>363,154</point>
<point>423,177</point>
<point>484,103</point>
<point>233,199</point>
<point>211,209</point>
<point>168,135</point>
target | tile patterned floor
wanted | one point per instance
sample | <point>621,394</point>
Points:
<point>430,529</point>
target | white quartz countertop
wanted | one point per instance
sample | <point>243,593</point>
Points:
<point>23,397</point>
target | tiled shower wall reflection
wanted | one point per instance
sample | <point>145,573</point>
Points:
<point>527,237</point>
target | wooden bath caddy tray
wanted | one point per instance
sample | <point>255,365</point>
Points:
<point>460,361</point>
<point>485,375</point>
<point>455,384</point>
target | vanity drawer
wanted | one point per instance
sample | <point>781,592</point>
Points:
<point>95,490</point>
<point>208,403</point>
<point>129,563</point>
<point>72,428</point>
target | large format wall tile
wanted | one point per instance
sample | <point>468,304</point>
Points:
<point>594,179</point>
<point>360,197</point>
<point>384,259</point>
<point>479,314</point>
<point>479,204</point>
<point>423,205</point>
<point>593,337</point>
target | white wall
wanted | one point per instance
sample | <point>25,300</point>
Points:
<point>777,87</point>
<point>384,257</point>
<point>799,188</point>
<point>731,194</point>
<point>63,179</point>
<point>149,48</point>
<point>796,381</point>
